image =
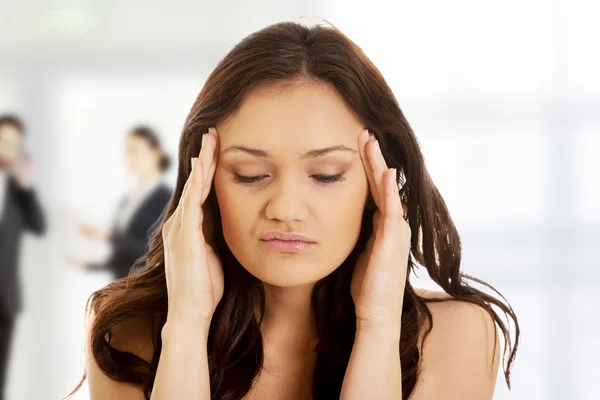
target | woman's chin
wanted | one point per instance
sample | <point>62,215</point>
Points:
<point>290,275</point>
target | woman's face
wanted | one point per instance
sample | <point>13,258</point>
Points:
<point>142,159</point>
<point>273,177</point>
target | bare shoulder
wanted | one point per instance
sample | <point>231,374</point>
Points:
<point>133,336</point>
<point>458,323</point>
<point>461,354</point>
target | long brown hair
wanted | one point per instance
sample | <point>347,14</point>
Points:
<point>282,53</point>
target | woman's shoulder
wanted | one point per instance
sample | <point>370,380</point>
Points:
<point>453,315</point>
<point>463,334</point>
<point>132,336</point>
<point>462,344</point>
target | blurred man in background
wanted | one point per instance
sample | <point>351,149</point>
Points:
<point>19,211</point>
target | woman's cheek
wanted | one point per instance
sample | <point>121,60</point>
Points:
<point>221,186</point>
<point>230,201</point>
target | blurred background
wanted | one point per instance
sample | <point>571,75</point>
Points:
<point>503,96</point>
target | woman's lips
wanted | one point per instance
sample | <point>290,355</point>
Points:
<point>288,246</point>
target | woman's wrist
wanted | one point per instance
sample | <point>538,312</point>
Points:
<point>385,331</point>
<point>180,328</point>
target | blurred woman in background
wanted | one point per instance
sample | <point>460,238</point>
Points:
<point>139,210</point>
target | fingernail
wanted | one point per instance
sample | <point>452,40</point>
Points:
<point>192,163</point>
<point>377,148</point>
<point>203,139</point>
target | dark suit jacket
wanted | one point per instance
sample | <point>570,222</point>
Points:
<point>132,243</point>
<point>22,212</point>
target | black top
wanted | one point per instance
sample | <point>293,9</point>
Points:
<point>21,212</point>
<point>131,243</point>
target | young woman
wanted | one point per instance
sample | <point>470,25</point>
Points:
<point>139,210</point>
<point>301,205</point>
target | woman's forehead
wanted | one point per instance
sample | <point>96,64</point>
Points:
<point>310,114</point>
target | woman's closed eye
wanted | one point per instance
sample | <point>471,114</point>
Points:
<point>247,179</point>
<point>326,179</point>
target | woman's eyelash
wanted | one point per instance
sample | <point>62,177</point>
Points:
<point>329,178</point>
<point>255,179</point>
<point>247,179</point>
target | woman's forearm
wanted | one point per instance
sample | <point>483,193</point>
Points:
<point>374,370</point>
<point>183,365</point>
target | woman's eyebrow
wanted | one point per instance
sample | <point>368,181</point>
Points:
<point>309,154</point>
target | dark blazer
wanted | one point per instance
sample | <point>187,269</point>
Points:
<point>132,243</point>
<point>21,212</point>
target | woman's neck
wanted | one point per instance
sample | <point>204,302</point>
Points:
<point>288,322</point>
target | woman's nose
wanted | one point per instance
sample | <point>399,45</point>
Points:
<point>287,203</point>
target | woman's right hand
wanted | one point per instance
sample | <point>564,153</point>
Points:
<point>193,270</point>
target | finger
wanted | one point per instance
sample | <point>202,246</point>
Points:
<point>363,140</point>
<point>214,155</point>
<point>173,223</point>
<point>168,225</point>
<point>392,206</point>
<point>392,210</point>
<point>190,181</point>
<point>191,213</point>
<point>215,147</point>
<point>205,157</point>
<point>378,168</point>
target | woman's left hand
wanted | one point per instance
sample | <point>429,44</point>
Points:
<point>380,273</point>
